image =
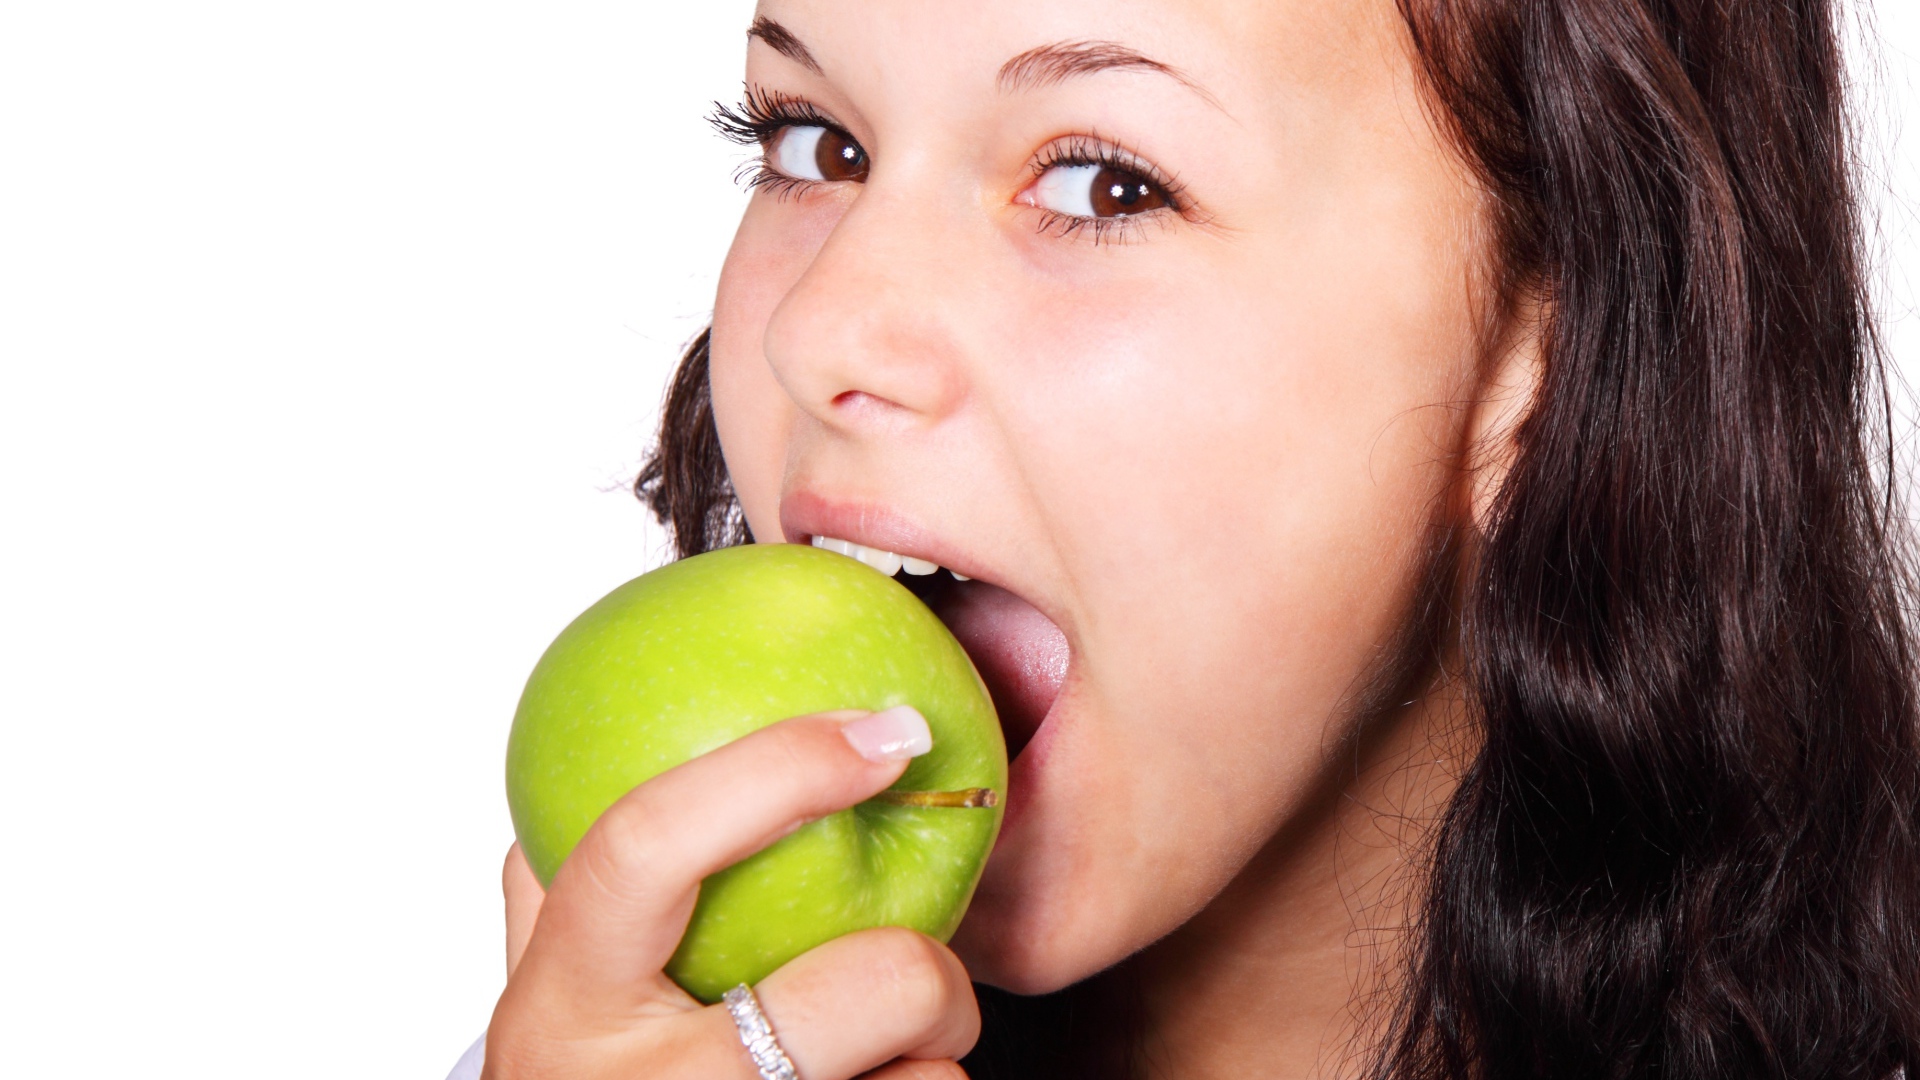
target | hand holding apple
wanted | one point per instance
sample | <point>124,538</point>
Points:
<point>588,998</point>
<point>702,652</point>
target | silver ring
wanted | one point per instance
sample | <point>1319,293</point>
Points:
<point>757,1035</point>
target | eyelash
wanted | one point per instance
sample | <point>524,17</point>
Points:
<point>755,121</point>
<point>1076,150</point>
<point>762,114</point>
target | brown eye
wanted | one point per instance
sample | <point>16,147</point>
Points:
<point>838,157</point>
<point>1115,193</point>
<point>816,152</point>
<point>1096,191</point>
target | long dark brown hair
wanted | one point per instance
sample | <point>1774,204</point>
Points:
<point>1689,845</point>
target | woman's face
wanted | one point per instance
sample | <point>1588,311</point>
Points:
<point>1154,318</point>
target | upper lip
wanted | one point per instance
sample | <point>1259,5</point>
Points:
<point>805,515</point>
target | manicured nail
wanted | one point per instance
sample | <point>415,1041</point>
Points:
<point>894,734</point>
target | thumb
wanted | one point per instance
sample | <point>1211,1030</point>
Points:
<point>621,901</point>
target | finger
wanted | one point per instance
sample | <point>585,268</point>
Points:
<point>860,1001</point>
<point>621,901</point>
<point>524,895</point>
<point>906,1069</point>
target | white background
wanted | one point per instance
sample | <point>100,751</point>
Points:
<point>330,336</point>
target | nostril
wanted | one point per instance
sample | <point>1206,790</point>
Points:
<point>855,399</point>
<point>863,409</point>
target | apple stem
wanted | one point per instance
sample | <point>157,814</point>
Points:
<point>965,798</point>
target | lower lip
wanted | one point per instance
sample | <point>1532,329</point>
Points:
<point>1029,764</point>
<point>1027,663</point>
<point>1021,655</point>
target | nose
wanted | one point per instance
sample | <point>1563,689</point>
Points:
<point>867,339</point>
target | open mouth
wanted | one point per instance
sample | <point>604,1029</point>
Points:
<point>1020,654</point>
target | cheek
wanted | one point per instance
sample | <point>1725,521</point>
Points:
<point>1214,427</point>
<point>771,250</point>
<point>1245,470</point>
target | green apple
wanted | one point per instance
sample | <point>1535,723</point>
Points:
<point>700,652</point>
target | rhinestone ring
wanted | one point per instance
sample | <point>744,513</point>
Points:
<point>757,1034</point>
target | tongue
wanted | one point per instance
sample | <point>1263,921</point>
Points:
<point>1020,653</point>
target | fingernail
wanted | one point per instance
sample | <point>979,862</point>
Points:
<point>894,734</point>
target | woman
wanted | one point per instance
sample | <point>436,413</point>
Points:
<point>1415,468</point>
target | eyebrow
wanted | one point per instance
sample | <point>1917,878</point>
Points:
<point>783,42</point>
<point>1043,66</point>
<point>1048,65</point>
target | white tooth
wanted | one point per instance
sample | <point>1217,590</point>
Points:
<point>958,576</point>
<point>918,567</point>
<point>823,542</point>
<point>884,561</point>
<point>838,546</point>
